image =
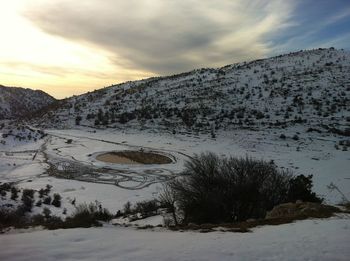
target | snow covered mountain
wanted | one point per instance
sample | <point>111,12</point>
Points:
<point>308,88</point>
<point>17,102</point>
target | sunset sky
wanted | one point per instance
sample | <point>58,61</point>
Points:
<point>67,47</point>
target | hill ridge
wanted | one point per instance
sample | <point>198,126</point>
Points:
<point>305,87</point>
<point>16,102</point>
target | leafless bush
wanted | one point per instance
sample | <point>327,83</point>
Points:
<point>218,190</point>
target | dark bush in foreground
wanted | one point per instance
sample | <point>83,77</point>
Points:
<point>5,187</point>
<point>145,208</point>
<point>47,200</point>
<point>216,190</point>
<point>87,216</point>
<point>9,217</point>
<point>300,187</point>
<point>84,216</point>
<point>56,200</point>
<point>28,193</point>
<point>14,193</point>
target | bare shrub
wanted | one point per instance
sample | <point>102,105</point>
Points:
<point>219,190</point>
<point>168,199</point>
<point>146,207</point>
<point>87,215</point>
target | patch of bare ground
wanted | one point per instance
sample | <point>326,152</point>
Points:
<point>134,157</point>
<point>111,158</point>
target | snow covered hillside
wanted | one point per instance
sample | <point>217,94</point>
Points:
<point>16,102</point>
<point>291,110</point>
<point>306,88</point>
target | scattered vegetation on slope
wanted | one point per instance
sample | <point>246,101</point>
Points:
<point>307,88</point>
<point>19,213</point>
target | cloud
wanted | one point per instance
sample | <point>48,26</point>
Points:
<point>166,36</point>
<point>323,24</point>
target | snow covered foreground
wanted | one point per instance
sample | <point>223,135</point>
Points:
<point>304,240</point>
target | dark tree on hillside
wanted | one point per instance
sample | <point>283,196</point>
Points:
<point>78,120</point>
<point>100,115</point>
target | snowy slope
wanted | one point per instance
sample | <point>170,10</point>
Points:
<point>16,102</point>
<point>308,88</point>
<point>319,240</point>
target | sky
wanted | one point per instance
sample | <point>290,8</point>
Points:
<point>66,47</point>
